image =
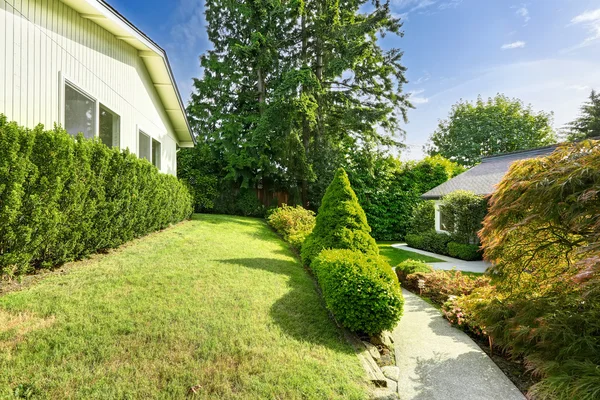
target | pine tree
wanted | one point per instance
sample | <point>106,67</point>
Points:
<point>341,222</point>
<point>289,82</point>
<point>588,124</point>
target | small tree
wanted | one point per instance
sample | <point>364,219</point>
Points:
<point>463,215</point>
<point>485,128</point>
<point>341,222</point>
<point>587,125</point>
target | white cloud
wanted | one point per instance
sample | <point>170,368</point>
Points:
<point>523,12</point>
<point>591,20</point>
<point>406,7</point>
<point>542,83</point>
<point>416,99</point>
<point>514,45</point>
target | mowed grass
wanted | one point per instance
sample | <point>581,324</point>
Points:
<point>217,303</point>
<point>396,256</point>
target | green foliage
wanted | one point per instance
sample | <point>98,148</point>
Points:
<point>439,284</point>
<point>288,86</point>
<point>293,223</point>
<point>199,169</point>
<point>587,125</point>
<point>65,198</point>
<point>389,190</point>
<point>341,223</point>
<point>408,267</point>
<point>485,128</point>
<point>468,252</point>
<point>430,241</point>
<point>463,214</point>
<point>360,290</point>
<point>542,235</point>
<point>422,218</point>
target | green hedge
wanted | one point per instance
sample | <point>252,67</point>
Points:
<point>441,243</point>
<point>63,198</point>
<point>468,252</point>
<point>360,290</point>
<point>429,241</point>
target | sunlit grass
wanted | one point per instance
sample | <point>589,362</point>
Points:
<point>396,256</point>
<point>217,303</point>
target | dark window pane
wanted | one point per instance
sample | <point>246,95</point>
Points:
<point>144,146</point>
<point>80,113</point>
<point>109,127</point>
<point>156,153</point>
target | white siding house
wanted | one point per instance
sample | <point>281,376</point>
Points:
<point>81,64</point>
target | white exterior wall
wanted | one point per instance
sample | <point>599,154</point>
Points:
<point>45,41</point>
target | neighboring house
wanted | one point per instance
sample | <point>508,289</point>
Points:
<point>81,64</point>
<point>481,179</point>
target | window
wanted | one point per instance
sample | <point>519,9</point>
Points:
<point>443,221</point>
<point>156,153</point>
<point>144,146</point>
<point>80,113</point>
<point>109,127</point>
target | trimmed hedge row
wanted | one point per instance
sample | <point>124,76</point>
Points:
<point>441,243</point>
<point>360,290</point>
<point>63,198</point>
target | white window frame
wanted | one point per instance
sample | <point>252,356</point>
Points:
<point>438,217</point>
<point>63,81</point>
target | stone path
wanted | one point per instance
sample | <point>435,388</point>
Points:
<point>439,362</point>
<point>448,262</point>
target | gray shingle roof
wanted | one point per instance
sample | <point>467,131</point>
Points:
<point>483,178</point>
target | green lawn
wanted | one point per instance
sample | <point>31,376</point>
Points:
<point>217,303</point>
<point>396,256</point>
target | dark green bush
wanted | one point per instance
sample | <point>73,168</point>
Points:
<point>341,222</point>
<point>463,215</point>
<point>293,223</point>
<point>63,198</point>
<point>432,241</point>
<point>360,290</point>
<point>409,266</point>
<point>468,252</point>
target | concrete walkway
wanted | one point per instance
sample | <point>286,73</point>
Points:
<point>439,362</point>
<point>448,262</point>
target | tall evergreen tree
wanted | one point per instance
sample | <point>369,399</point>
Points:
<point>289,82</point>
<point>587,125</point>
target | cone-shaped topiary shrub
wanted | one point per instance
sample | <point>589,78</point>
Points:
<point>341,222</point>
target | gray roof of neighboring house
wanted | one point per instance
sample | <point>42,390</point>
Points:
<point>483,178</point>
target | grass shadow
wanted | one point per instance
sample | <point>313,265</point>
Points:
<point>300,313</point>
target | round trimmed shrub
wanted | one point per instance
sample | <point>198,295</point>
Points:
<point>410,266</point>
<point>341,222</point>
<point>360,290</point>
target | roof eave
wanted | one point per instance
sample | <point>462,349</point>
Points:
<point>104,15</point>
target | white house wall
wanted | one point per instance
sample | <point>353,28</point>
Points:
<point>44,42</point>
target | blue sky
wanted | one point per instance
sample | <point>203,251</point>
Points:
<point>545,52</point>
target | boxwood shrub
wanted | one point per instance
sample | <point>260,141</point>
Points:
<point>410,266</point>
<point>360,290</point>
<point>63,198</point>
<point>294,224</point>
<point>468,252</point>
